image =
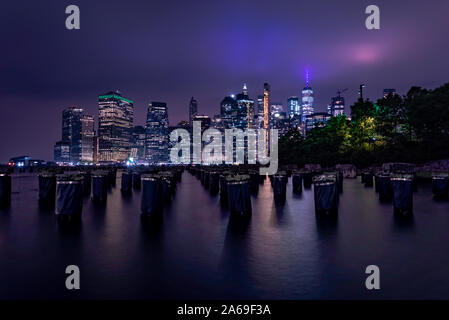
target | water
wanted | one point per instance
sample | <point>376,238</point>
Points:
<point>197,252</point>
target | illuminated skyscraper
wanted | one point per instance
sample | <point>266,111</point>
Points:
<point>115,123</point>
<point>243,114</point>
<point>227,107</point>
<point>266,105</point>
<point>277,110</point>
<point>87,139</point>
<point>77,137</point>
<point>245,89</point>
<point>260,113</point>
<point>206,121</point>
<point>293,107</point>
<point>138,143</point>
<point>156,141</point>
<point>62,152</point>
<point>318,119</point>
<point>337,106</point>
<point>307,100</point>
<point>71,131</point>
<point>193,109</point>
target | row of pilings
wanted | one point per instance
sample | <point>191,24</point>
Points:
<point>236,185</point>
<point>398,184</point>
<point>65,188</point>
<point>394,184</point>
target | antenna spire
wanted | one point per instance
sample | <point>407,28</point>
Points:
<point>307,78</point>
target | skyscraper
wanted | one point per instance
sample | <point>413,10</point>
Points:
<point>138,143</point>
<point>266,105</point>
<point>206,121</point>
<point>307,100</point>
<point>71,131</point>
<point>62,152</point>
<point>87,139</point>
<point>337,106</point>
<point>276,110</point>
<point>260,112</point>
<point>243,115</point>
<point>77,137</point>
<point>156,128</point>
<point>193,109</point>
<point>227,106</point>
<point>115,122</point>
<point>318,119</point>
<point>293,107</point>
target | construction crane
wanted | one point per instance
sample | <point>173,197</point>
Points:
<point>339,92</point>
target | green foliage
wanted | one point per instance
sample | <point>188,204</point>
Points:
<point>413,128</point>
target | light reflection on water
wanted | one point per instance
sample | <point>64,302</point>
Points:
<point>197,251</point>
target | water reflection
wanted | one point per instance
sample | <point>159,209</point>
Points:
<point>404,222</point>
<point>236,249</point>
<point>197,249</point>
<point>281,212</point>
<point>69,229</point>
<point>326,225</point>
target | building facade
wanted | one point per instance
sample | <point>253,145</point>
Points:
<point>293,107</point>
<point>61,152</point>
<point>115,123</point>
<point>71,131</point>
<point>138,143</point>
<point>337,106</point>
<point>307,108</point>
<point>260,111</point>
<point>318,119</point>
<point>227,107</point>
<point>266,105</point>
<point>157,135</point>
<point>243,113</point>
<point>87,139</point>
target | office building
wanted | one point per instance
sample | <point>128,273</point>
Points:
<point>337,106</point>
<point>266,105</point>
<point>293,107</point>
<point>307,108</point>
<point>61,152</point>
<point>138,143</point>
<point>157,135</point>
<point>260,111</point>
<point>87,139</point>
<point>318,119</point>
<point>71,131</point>
<point>227,107</point>
<point>115,123</point>
<point>243,114</point>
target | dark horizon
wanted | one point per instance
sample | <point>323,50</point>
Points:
<point>170,51</point>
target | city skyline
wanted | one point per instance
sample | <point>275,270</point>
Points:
<point>46,68</point>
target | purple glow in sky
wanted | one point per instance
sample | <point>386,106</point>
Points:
<point>173,49</point>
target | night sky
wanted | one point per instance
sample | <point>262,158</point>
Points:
<point>172,50</point>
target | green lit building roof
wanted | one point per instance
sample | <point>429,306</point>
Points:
<point>113,96</point>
